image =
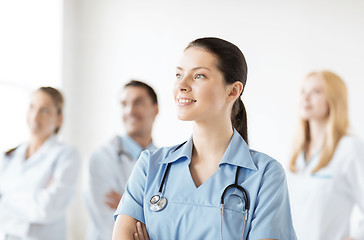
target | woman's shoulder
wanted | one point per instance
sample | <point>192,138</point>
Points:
<point>349,156</point>
<point>351,142</point>
<point>264,162</point>
<point>60,150</point>
<point>10,152</point>
<point>153,159</point>
<point>162,152</point>
<point>349,147</point>
<point>63,147</point>
<point>270,172</point>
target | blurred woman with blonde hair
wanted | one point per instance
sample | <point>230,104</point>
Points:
<point>326,177</point>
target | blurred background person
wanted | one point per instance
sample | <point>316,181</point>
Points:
<point>37,178</point>
<point>110,166</point>
<point>326,177</point>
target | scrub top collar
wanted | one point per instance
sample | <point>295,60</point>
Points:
<point>237,153</point>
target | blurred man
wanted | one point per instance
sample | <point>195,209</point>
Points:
<point>110,166</point>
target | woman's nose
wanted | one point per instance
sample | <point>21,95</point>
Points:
<point>305,96</point>
<point>33,115</point>
<point>183,85</point>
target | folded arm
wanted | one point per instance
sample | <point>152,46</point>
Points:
<point>124,228</point>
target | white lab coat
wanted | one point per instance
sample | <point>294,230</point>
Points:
<point>108,169</point>
<point>35,193</point>
<point>322,202</point>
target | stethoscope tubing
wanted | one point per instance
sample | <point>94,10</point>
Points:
<point>164,178</point>
<point>236,185</point>
<point>161,202</point>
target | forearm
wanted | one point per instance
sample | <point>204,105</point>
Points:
<point>9,224</point>
<point>37,207</point>
<point>124,228</point>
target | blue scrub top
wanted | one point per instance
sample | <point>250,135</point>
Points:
<point>194,213</point>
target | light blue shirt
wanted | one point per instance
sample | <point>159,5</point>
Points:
<point>133,148</point>
<point>194,213</point>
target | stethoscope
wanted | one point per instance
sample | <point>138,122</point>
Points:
<point>120,150</point>
<point>245,200</point>
<point>158,202</point>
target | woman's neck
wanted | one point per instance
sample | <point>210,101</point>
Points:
<point>317,137</point>
<point>35,143</point>
<point>211,140</point>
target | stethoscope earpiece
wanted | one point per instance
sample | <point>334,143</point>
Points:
<point>157,203</point>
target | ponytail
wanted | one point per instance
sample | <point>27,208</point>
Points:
<point>239,119</point>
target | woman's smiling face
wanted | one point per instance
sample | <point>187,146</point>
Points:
<point>43,117</point>
<point>200,90</point>
<point>313,102</point>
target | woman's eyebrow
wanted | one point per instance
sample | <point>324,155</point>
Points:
<point>195,68</point>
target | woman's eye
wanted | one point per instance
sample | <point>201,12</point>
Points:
<point>199,76</point>
<point>178,76</point>
<point>316,91</point>
<point>44,110</point>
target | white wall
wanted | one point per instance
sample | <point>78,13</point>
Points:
<point>107,42</point>
<point>30,56</point>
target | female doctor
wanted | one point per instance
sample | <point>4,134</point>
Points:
<point>326,179</point>
<point>37,178</point>
<point>182,192</point>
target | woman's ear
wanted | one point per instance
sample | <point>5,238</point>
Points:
<point>235,90</point>
<point>59,120</point>
<point>156,109</point>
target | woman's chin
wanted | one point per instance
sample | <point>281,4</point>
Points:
<point>184,117</point>
<point>34,132</point>
<point>39,134</point>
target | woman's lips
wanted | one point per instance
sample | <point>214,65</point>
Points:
<point>185,101</point>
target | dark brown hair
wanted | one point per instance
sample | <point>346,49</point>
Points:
<point>150,90</point>
<point>232,64</point>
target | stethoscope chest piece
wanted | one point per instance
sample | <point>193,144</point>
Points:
<point>157,203</point>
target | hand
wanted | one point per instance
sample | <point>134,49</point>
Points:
<point>113,199</point>
<point>141,233</point>
<point>49,183</point>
